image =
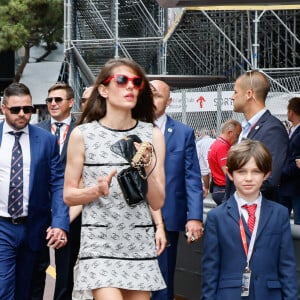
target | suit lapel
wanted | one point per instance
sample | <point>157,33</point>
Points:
<point>232,209</point>
<point>295,133</point>
<point>64,149</point>
<point>265,214</point>
<point>258,125</point>
<point>169,129</point>
<point>48,125</point>
<point>34,142</point>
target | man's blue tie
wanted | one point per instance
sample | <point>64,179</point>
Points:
<point>57,131</point>
<point>15,197</point>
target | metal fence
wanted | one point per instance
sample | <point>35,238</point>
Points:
<point>210,106</point>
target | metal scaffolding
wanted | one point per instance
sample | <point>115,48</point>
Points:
<point>184,41</point>
<point>104,29</point>
<point>230,42</point>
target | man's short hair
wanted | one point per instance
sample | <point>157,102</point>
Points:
<point>62,86</point>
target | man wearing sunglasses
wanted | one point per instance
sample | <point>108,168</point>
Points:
<point>60,101</point>
<point>40,213</point>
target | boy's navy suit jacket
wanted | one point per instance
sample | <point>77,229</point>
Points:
<point>272,263</point>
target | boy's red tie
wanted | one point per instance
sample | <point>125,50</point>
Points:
<point>251,212</point>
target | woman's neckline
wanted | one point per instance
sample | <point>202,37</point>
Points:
<point>118,129</point>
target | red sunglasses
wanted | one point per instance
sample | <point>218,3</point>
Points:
<point>122,80</point>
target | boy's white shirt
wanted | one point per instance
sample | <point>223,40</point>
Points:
<point>240,202</point>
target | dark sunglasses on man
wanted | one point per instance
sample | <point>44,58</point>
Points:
<point>16,109</point>
<point>55,99</point>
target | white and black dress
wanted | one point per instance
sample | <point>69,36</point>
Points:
<point>117,246</point>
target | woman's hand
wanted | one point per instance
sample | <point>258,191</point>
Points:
<point>104,184</point>
<point>160,238</point>
<point>298,162</point>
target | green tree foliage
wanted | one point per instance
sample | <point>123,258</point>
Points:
<point>27,23</point>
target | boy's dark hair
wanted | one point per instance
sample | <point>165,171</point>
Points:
<point>241,153</point>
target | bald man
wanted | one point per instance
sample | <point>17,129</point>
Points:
<point>183,208</point>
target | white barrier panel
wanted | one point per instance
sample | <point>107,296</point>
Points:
<point>200,101</point>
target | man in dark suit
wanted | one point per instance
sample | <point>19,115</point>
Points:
<point>183,207</point>
<point>60,102</point>
<point>250,93</point>
<point>43,214</point>
<point>289,192</point>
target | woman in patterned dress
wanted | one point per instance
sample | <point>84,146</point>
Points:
<point>118,257</point>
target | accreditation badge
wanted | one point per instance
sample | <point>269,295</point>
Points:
<point>246,282</point>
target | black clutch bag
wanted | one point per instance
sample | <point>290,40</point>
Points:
<point>133,186</point>
<point>132,180</point>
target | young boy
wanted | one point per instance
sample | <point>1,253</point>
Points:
<point>248,256</point>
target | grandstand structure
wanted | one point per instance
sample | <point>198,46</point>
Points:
<point>181,41</point>
<point>204,48</point>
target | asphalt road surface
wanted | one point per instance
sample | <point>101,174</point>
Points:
<point>50,279</point>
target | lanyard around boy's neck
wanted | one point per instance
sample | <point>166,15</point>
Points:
<point>248,250</point>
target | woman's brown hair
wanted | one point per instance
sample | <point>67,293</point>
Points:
<point>96,107</point>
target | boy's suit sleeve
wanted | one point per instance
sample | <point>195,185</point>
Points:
<point>287,265</point>
<point>210,259</point>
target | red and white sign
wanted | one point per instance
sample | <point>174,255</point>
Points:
<point>200,101</point>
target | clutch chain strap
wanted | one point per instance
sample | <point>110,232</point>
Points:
<point>137,160</point>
